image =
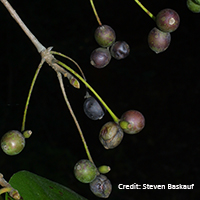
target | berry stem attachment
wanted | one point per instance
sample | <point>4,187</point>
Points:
<point>145,10</point>
<point>95,12</point>
<point>74,117</point>
<point>115,118</point>
<point>29,94</point>
<point>8,188</point>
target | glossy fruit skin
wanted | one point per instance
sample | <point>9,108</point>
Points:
<point>93,109</point>
<point>167,20</point>
<point>197,1</point>
<point>13,142</point>
<point>101,186</point>
<point>85,171</point>
<point>192,6</point>
<point>105,35</point>
<point>132,122</point>
<point>158,40</point>
<point>111,135</point>
<point>120,50</point>
<point>100,57</point>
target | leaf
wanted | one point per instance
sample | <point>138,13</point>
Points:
<point>34,187</point>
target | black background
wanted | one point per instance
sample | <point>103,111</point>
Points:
<point>165,87</point>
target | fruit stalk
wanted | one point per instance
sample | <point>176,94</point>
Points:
<point>74,117</point>
<point>29,94</point>
<point>95,12</point>
<point>145,10</point>
<point>115,118</point>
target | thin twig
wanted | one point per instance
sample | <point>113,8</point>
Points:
<point>16,17</point>
<point>74,117</point>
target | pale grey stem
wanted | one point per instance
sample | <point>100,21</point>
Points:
<point>73,116</point>
<point>16,17</point>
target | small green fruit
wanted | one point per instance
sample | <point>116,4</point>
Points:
<point>13,142</point>
<point>104,169</point>
<point>192,6</point>
<point>85,171</point>
<point>105,35</point>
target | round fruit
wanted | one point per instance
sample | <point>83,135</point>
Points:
<point>100,57</point>
<point>167,20</point>
<point>85,171</point>
<point>120,50</point>
<point>111,135</point>
<point>93,109</point>
<point>101,186</point>
<point>13,142</point>
<point>194,7</point>
<point>105,35</point>
<point>132,122</point>
<point>158,40</point>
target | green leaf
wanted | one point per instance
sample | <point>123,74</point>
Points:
<point>34,187</point>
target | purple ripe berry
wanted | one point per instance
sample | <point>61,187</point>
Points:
<point>158,40</point>
<point>100,57</point>
<point>101,186</point>
<point>93,109</point>
<point>132,122</point>
<point>120,50</point>
<point>167,20</point>
<point>104,35</point>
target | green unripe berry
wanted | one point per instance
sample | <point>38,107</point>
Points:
<point>194,7</point>
<point>13,142</point>
<point>85,171</point>
<point>104,169</point>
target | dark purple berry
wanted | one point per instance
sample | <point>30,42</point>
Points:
<point>158,40</point>
<point>105,35</point>
<point>13,142</point>
<point>93,109</point>
<point>120,50</point>
<point>100,57</point>
<point>111,135</point>
<point>167,20</point>
<point>132,122</point>
<point>85,171</point>
<point>101,186</point>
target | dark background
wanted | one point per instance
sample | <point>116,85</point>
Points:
<point>165,87</point>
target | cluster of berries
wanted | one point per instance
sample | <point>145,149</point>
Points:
<point>105,37</point>
<point>159,38</point>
